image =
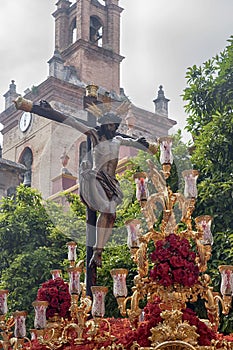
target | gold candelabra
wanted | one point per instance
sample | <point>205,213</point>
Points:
<point>13,339</point>
<point>173,297</point>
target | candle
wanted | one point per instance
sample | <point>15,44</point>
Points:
<point>190,178</point>
<point>98,304</point>
<point>72,256</point>
<point>3,301</point>
<point>165,144</point>
<point>133,229</point>
<point>20,328</point>
<point>141,180</point>
<point>226,287</point>
<point>119,282</point>
<point>74,276</point>
<point>40,313</point>
<point>203,223</point>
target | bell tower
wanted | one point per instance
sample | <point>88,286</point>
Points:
<point>87,51</point>
<point>87,37</point>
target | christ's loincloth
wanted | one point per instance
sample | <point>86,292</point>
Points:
<point>100,191</point>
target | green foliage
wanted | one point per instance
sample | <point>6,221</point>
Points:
<point>209,104</point>
<point>24,225</point>
<point>209,90</point>
<point>76,205</point>
<point>181,162</point>
<point>33,237</point>
<point>68,220</point>
<point>24,276</point>
<point>115,257</point>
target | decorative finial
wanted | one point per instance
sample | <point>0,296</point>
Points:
<point>160,92</point>
<point>64,160</point>
<point>12,86</point>
<point>161,103</point>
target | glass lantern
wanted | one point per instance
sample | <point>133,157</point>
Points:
<point>133,229</point>
<point>98,304</point>
<point>40,313</point>
<point>55,274</point>
<point>20,328</point>
<point>72,255</point>
<point>74,283</point>
<point>165,145</point>
<point>203,223</point>
<point>190,187</point>
<point>141,180</point>
<point>3,301</point>
<point>226,287</point>
<point>119,282</point>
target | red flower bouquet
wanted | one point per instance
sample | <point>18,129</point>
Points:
<point>174,262</point>
<point>152,318</point>
<point>56,292</point>
<point>206,334</point>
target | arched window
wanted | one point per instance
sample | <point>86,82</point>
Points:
<point>74,35</point>
<point>26,159</point>
<point>73,32</point>
<point>96,31</point>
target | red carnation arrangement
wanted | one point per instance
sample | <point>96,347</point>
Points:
<point>152,318</point>
<point>56,292</point>
<point>206,334</point>
<point>174,262</point>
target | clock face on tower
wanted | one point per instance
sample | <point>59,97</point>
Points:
<point>25,121</point>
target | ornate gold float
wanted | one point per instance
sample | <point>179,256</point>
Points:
<point>86,328</point>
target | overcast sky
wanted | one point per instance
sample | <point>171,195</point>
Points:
<point>159,40</point>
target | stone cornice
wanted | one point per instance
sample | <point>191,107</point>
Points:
<point>93,49</point>
<point>49,90</point>
<point>6,164</point>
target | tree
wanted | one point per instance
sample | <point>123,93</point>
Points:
<point>209,89</point>
<point>33,237</point>
<point>209,97</point>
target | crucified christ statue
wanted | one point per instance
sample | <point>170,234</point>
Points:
<point>99,188</point>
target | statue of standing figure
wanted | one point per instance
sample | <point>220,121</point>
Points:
<point>99,188</point>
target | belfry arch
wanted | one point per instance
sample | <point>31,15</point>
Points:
<point>96,31</point>
<point>26,158</point>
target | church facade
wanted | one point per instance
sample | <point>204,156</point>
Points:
<point>87,51</point>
